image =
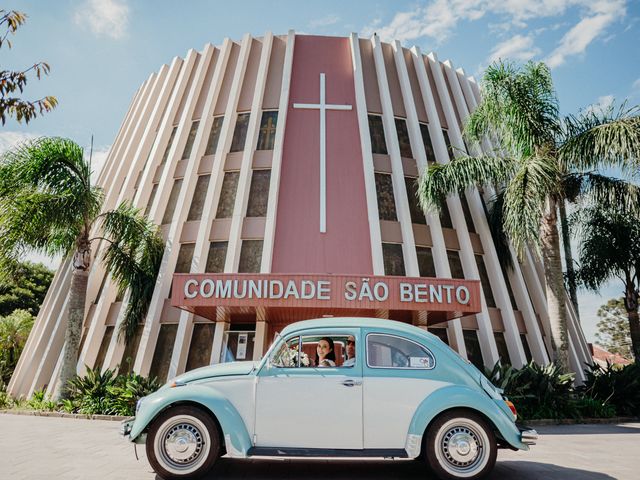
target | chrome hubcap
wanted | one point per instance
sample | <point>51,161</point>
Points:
<point>183,443</point>
<point>460,446</point>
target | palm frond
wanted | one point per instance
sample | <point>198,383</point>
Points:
<point>524,201</point>
<point>604,191</point>
<point>495,219</point>
<point>598,138</point>
<point>441,180</point>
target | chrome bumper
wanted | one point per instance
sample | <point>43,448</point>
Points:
<point>125,427</point>
<point>528,436</point>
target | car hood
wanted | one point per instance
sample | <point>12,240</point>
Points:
<point>218,370</point>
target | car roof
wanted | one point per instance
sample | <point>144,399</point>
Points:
<point>359,322</point>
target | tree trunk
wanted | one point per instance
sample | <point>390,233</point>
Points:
<point>568,258</point>
<point>631,304</point>
<point>555,286</point>
<point>77,300</point>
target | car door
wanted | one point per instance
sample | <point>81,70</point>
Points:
<point>397,378</point>
<point>310,407</point>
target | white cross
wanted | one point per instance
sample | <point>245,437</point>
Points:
<point>323,107</point>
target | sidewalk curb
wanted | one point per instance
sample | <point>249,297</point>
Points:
<point>38,413</point>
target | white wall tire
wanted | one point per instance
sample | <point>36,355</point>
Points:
<point>460,444</point>
<point>182,443</point>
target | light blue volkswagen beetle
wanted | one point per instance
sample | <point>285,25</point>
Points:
<point>334,387</point>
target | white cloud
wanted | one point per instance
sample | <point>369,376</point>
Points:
<point>519,47</point>
<point>636,84</point>
<point>98,160</point>
<point>9,140</point>
<point>601,105</point>
<point>324,21</point>
<point>108,18</point>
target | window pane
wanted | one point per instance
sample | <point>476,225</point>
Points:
<point>428,146</point>
<point>425,262</point>
<point>503,351</point>
<point>214,135</point>
<point>514,305</point>
<point>130,352</point>
<point>217,257</point>
<point>445,216</point>
<point>152,197</point>
<point>286,355</point>
<point>386,200</point>
<point>190,139</point>
<point>417,215</point>
<point>164,349</point>
<point>250,256</point>
<point>173,200</point>
<point>201,345</point>
<point>104,346</point>
<point>525,345</point>
<point>441,333</point>
<point>169,143</point>
<point>185,257</point>
<point>386,351</point>
<point>403,138</point>
<point>259,193</point>
<point>393,259</point>
<point>378,144</point>
<point>267,130</point>
<point>227,195</point>
<point>199,195</point>
<point>334,351</point>
<point>455,264</point>
<point>447,141</point>
<point>474,354</point>
<point>467,214</point>
<point>240,133</point>
<point>484,279</point>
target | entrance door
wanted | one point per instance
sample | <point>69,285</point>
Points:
<point>305,406</point>
<point>238,346</point>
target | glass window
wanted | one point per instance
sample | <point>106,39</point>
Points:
<point>228,195</point>
<point>164,349</point>
<point>467,214</point>
<point>250,256</point>
<point>376,130</point>
<point>525,345</point>
<point>317,351</point>
<point>403,138</point>
<point>214,136</point>
<point>455,264</point>
<point>173,200</point>
<point>393,259</point>
<point>201,345</point>
<point>425,262</point>
<point>185,257</point>
<point>512,298</point>
<point>428,146</point>
<point>104,346</point>
<point>474,354</point>
<point>503,351</point>
<point>484,279</point>
<point>259,193</point>
<point>240,133</point>
<point>216,258</point>
<point>169,143</point>
<point>286,355</point>
<point>190,139</point>
<point>267,134</point>
<point>445,216</point>
<point>238,345</point>
<point>152,197</point>
<point>389,351</point>
<point>447,141</point>
<point>386,199</point>
<point>417,215</point>
<point>441,333</point>
<point>199,195</point>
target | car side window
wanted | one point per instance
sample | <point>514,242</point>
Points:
<point>286,356</point>
<point>328,351</point>
<point>391,351</point>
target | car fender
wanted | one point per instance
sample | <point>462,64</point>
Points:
<point>237,439</point>
<point>459,396</point>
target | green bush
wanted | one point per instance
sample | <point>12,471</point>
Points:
<point>617,386</point>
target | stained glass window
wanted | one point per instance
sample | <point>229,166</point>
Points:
<point>376,130</point>
<point>227,195</point>
<point>393,259</point>
<point>240,133</point>
<point>386,200</point>
<point>267,134</point>
<point>259,193</point>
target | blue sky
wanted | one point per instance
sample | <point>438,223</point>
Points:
<point>100,51</point>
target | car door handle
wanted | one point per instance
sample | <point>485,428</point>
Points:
<point>351,383</point>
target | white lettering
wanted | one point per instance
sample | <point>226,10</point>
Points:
<point>223,288</point>
<point>292,290</point>
<point>191,293</point>
<point>307,290</point>
<point>365,291</point>
<point>324,290</point>
<point>255,289</point>
<point>207,288</point>
<point>448,288</point>
<point>236,294</point>
<point>350,291</point>
<point>435,292</point>
<point>406,293</point>
<point>272,289</point>
<point>459,295</point>
<point>381,297</point>
<point>421,293</point>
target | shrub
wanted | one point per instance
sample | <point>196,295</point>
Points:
<point>618,386</point>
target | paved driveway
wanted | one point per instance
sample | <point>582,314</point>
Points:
<point>66,449</point>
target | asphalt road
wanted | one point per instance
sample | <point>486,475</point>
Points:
<point>66,449</point>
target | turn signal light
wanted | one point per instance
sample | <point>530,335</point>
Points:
<point>512,407</point>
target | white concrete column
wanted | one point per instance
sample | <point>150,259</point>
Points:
<point>397,172</point>
<point>367,158</point>
<point>492,263</point>
<point>222,327</point>
<point>485,330</point>
<point>276,162</point>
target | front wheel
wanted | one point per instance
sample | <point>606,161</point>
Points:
<point>460,444</point>
<point>183,443</point>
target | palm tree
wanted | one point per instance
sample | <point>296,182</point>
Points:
<point>542,160</point>
<point>610,249</point>
<point>49,204</point>
<point>14,330</point>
